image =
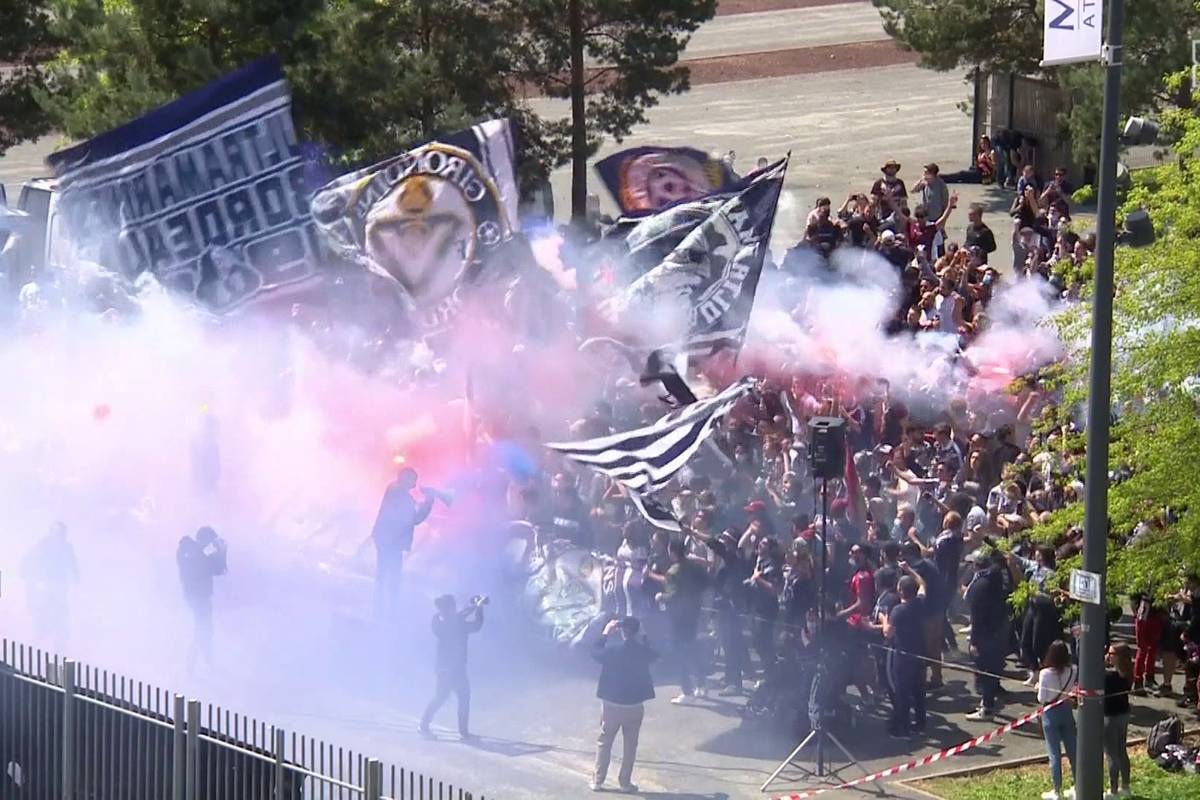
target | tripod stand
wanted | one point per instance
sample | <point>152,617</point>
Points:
<point>818,735</point>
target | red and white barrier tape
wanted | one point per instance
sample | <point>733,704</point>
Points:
<point>944,754</point>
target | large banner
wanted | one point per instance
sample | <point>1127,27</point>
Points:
<point>207,193</point>
<point>1071,31</point>
<point>698,298</point>
<point>644,180</point>
<point>428,219</point>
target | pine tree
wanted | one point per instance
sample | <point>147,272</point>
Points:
<point>634,46</point>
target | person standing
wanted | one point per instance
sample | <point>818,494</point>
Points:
<point>624,686</point>
<point>1118,681</point>
<point>904,630</point>
<point>729,596</point>
<point>451,627</point>
<point>989,633</point>
<point>399,514</point>
<point>1055,682</point>
<point>683,586</point>
<point>200,561</point>
<point>50,570</point>
<point>978,233</point>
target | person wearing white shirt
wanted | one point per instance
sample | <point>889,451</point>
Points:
<point>1057,681</point>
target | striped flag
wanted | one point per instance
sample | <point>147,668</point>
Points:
<point>646,459</point>
<point>655,512</point>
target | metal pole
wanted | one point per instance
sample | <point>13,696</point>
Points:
<point>280,743</point>
<point>178,748</point>
<point>374,783</point>
<point>68,732</point>
<point>191,772</point>
<point>976,116</point>
<point>1090,759</point>
<point>821,621</point>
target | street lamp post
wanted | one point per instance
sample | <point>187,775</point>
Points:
<point>1090,757</point>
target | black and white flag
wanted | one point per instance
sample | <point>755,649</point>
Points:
<point>646,459</point>
<point>698,297</point>
<point>655,512</point>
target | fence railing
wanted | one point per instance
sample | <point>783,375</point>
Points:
<point>73,732</point>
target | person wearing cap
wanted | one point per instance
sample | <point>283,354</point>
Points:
<point>624,686</point>
<point>890,188</point>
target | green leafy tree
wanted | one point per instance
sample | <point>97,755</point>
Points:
<point>123,57</point>
<point>25,42</point>
<point>612,58</point>
<point>1156,378</point>
<point>1006,36</point>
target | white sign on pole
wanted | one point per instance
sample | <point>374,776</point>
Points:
<point>1085,587</point>
<point>1072,31</point>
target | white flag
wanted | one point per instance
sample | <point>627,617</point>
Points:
<point>1072,31</point>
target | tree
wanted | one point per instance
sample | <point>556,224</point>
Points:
<point>121,58</point>
<point>1156,378</point>
<point>617,57</point>
<point>25,41</point>
<point>368,78</point>
<point>1006,36</point>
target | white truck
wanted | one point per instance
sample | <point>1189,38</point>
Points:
<point>29,236</point>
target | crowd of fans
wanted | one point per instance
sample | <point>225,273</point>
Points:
<point>928,527</point>
<point>946,285</point>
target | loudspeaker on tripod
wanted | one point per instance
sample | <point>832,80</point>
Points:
<point>827,446</point>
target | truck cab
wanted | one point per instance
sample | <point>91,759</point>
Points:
<point>38,228</point>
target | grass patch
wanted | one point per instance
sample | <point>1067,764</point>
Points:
<point>1150,782</point>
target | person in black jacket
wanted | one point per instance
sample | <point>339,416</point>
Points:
<point>452,627</point>
<point>398,515</point>
<point>625,684</point>
<point>200,560</point>
<point>978,234</point>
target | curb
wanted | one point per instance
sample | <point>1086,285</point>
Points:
<point>1011,763</point>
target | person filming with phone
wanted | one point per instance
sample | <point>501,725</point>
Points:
<point>451,627</point>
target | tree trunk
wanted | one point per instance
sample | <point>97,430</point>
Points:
<point>578,123</point>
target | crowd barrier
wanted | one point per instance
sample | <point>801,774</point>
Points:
<point>70,731</point>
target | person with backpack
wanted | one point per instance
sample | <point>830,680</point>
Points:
<point>200,560</point>
<point>1118,682</point>
<point>1057,681</point>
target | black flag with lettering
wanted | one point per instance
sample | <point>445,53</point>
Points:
<point>698,299</point>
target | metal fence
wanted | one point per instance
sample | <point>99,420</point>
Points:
<point>69,731</point>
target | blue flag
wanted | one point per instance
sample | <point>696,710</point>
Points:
<point>644,180</point>
<point>208,193</point>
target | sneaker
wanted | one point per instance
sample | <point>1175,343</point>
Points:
<point>596,786</point>
<point>681,700</point>
<point>980,715</point>
<point>629,788</point>
<point>1164,691</point>
<point>1051,795</point>
<point>730,690</point>
<point>1069,794</point>
<point>1125,792</point>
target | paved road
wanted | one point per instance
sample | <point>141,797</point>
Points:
<point>839,126</point>
<point>779,30</point>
